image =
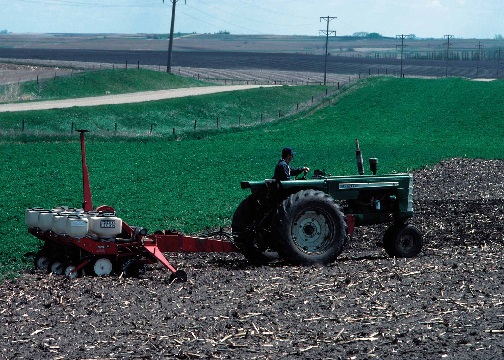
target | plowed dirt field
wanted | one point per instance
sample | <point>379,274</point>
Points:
<point>448,303</point>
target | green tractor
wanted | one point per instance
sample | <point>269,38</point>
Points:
<point>308,222</point>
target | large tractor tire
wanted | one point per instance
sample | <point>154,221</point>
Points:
<point>402,241</point>
<point>311,228</point>
<point>252,240</point>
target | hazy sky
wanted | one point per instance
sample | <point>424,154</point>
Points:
<point>424,18</point>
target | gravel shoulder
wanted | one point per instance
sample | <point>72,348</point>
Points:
<point>447,303</point>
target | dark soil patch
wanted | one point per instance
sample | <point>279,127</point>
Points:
<point>446,303</point>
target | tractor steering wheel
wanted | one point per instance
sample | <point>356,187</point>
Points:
<point>302,177</point>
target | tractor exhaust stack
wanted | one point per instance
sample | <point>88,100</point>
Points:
<point>358,155</point>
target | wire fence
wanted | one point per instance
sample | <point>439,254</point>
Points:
<point>51,69</point>
<point>166,129</point>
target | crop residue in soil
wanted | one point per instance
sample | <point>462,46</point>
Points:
<point>446,303</point>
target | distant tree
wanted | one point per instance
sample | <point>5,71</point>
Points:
<point>498,37</point>
<point>224,32</point>
<point>411,37</point>
<point>4,32</point>
<point>374,36</point>
<point>360,34</point>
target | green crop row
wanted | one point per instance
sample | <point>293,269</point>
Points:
<point>194,183</point>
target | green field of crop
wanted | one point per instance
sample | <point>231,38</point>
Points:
<point>191,184</point>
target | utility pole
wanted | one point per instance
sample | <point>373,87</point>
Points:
<point>402,46</point>
<point>498,53</point>
<point>448,37</point>
<point>479,46</point>
<point>327,32</point>
<point>172,27</point>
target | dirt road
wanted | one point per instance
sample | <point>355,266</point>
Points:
<point>124,98</point>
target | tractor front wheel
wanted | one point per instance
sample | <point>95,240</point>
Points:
<point>311,228</point>
<point>402,241</point>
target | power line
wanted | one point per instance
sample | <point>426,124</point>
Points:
<point>255,6</point>
<point>220,9</point>
<point>86,4</point>
<point>327,32</point>
<point>221,20</point>
<point>212,16</point>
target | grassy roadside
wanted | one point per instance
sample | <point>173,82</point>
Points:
<point>223,110</point>
<point>102,82</point>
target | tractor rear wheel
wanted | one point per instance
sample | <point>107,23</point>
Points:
<point>402,241</point>
<point>254,242</point>
<point>311,228</point>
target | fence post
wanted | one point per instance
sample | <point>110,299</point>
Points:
<point>73,127</point>
<point>195,125</point>
<point>326,91</point>
<point>23,125</point>
<point>173,131</point>
<point>338,85</point>
<point>217,122</point>
<point>279,113</point>
<point>138,65</point>
<point>261,117</point>
<point>115,129</point>
<point>37,79</point>
<point>151,128</point>
<point>312,99</point>
<point>239,120</point>
<point>297,106</point>
<point>126,64</point>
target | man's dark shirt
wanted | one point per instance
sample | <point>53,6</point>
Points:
<point>284,172</point>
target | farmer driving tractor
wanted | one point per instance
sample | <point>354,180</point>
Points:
<point>282,169</point>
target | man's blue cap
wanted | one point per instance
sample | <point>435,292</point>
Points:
<point>286,151</point>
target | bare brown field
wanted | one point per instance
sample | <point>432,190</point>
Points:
<point>315,45</point>
<point>444,304</point>
<point>275,58</point>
